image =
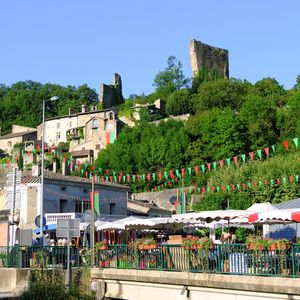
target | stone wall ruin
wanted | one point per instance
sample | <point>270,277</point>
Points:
<point>208,57</point>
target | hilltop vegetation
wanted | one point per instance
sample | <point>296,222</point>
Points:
<point>21,103</point>
<point>229,117</point>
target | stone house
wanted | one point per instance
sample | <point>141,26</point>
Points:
<point>19,134</point>
<point>87,132</point>
<point>65,195</point>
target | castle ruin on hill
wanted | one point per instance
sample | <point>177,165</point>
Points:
<point>111,95</point>
<point>208,57</point>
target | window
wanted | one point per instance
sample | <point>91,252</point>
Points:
<point>111,115</point>
<point>63,206</point>
<point>112,208</point>
<point>9,144</point>
<point>57,136</point>
<point>81,206</point>
<point>95,124</point>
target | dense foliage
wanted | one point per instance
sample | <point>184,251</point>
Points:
<point>228,117</point>
<point>21,103</point>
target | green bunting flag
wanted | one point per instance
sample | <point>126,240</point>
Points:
<point>124,179</point>
<point>203,168</point>
<point>297,178</point>
<point>214,165</point>
<point>133,178</point>
<point>218,188</point>
<point>273,148</point>
<point>228,162</point>
<point>190,170</point>
<point>243,156</point>
<point>259,154</point>
<point>97,203</point>
<point>153,176</point>
<point>166,175</point>
<point>272,181</point>
<point>295,140</point>
<point>260,183</point>
<point>238,186</point>
<point>177,173</point>
<point>284,179</point>
<point>228,188</point>
<point>249,184</point>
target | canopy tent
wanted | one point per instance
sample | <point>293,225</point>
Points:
<point>275,216</point>
<point>119,224</point>
<point>209,216</point>
<point>47,227</point>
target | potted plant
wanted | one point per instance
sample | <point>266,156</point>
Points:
<point>283,244</point>
<point>103,245</point>
<point>146,243</point>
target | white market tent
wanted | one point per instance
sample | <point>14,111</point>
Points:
<point>119,224</point>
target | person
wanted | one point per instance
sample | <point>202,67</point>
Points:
<point>225,238</point>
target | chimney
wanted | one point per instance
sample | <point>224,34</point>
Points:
<point>83,108</point>
<point>71,111</point>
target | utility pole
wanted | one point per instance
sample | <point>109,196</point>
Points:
<point>92,223</point>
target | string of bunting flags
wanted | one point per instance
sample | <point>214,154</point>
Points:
<point>85,170</point>
<point>230,187</point>
<point>86,199</point>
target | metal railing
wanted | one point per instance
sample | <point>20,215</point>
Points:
<point>38,256</point>
<point>223,259</point>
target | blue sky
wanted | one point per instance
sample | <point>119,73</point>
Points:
<point>76,42</point>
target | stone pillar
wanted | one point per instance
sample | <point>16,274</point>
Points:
<point>65,170</point>
<point>55,167</point>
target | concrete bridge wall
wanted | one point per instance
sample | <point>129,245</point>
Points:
<point>150,285</point>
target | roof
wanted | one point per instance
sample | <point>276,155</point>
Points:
<point>295,203</point>
<point>51,176</point>
<point>17,134</point>
<point>82,113</point>
<point>144,208</point>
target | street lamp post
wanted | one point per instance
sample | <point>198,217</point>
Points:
<point>54,98</point>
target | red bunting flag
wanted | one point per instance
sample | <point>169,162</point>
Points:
<point>251,154</point>
<point>223,188</point>
<point>221,163</point>
<point>267,151</point>
<point>213,188</point>
<point>128,178</point>
<point>159,176</point>
<point>233,187</point>
<point>172,174</point>
<point>235,159</point>
<point>208,166</point>
<point>182,172</point>
<point>106,171</point>
<point>278,180</point>
<point>120,178</point>
<point>291,179</point>
<point>203,190</point>
<point>266,181</point>
<point>148,177</point>
<point>93,168</point>
<point>39,148</point>
<point>196,169</point>
<point>254,184</point>
<point>110,178</point>
<point>286,145</point>
<point>244,186</point>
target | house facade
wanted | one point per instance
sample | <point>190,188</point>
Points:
<point>67,194</point>
<point>87,132</point>
<point>19,134</point>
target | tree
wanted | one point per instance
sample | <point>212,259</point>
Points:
<point>219,132</point>
<point>220,93</point>
<point>258,117</point>
<point>171,79</point>
<point>179,103</point>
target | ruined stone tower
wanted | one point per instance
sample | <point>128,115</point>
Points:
<point>209,57</point>
<point>111,95</point>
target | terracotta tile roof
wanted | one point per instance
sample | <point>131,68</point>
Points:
<point>51,176</point>
<point>12,135</point>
